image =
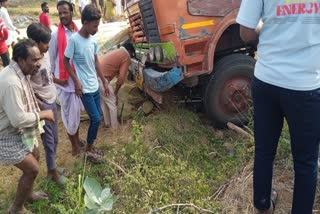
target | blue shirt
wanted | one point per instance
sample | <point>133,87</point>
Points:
<point>83,51</point>
<point>289,42</point>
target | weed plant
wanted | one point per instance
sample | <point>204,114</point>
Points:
<point>167,164</point>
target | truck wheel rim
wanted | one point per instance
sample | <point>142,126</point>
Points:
<point>235,96</point>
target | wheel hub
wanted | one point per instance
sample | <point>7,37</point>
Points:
<point>235,96</point>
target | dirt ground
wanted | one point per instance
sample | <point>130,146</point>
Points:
<point>237,194</point>
<point>9,175</point>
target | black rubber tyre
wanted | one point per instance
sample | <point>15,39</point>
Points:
<point>228,93</point>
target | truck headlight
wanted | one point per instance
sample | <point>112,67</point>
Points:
<point>158,52</point>
<point>151,54</point>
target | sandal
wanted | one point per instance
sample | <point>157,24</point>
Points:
<point>24,211</point>
<point>81,150</point>
<point>82,143</point>
<point>60,170</point>
<point>97,151</point>
<point>61,179</point>
<point>273,199</point>
<point>94,157</point>
<point>63,171</point>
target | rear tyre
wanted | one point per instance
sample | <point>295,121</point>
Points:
<point>228,93</point>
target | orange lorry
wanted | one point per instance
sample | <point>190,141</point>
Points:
<point>194,47</point>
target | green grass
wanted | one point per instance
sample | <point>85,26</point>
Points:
<point>166,162</point>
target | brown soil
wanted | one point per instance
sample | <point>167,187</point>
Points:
<point>9,174</point>
<point>236,196</point>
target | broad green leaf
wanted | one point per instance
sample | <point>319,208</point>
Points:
<point>105,194</point>
<point>89,203</point>
<point>91,211</point>
<point>93,189</point>
<point>106,205</point>
<point>114,198</point>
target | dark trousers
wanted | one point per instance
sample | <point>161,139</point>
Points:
<point>5,59</point>
<point>301,109</point>
<point>50,137</point>
<point>91,103</point>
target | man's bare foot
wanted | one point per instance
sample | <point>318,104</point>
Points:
<point>94,158</point>
<point>53,175</point>
<point>59,179</point>
<point>105,126</point>
<point>273,198</point>
<point>92,149</point>
<point>37,196</point>
<point>14,210</point>
<point>76,150</point>
<point>97,151</point>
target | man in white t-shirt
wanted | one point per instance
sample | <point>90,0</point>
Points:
<point>73,2</point>
<point>286,85</point>
<point>82,4</point>
<point>4,15</point>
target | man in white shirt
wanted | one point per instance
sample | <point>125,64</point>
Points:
<point>71,104</point>
<point>286,87</point>
<point>73,2</point>
<point>20,116</point>
<point>4,15</point>
<point>82,4</point>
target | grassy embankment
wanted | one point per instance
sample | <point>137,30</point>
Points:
<point>170,157</point>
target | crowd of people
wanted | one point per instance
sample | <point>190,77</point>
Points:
<point>102,5</point>
<point>64,65</point>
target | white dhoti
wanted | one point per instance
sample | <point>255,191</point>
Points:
<point>118,8</point>
<point>108,106</point>
<point>71,107</point>
<point>11,37</point>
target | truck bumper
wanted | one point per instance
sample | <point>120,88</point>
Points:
<point>162,81</point>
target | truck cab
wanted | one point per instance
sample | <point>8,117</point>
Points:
<point>193,44</point>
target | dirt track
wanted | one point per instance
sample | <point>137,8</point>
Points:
<point>9,174</point>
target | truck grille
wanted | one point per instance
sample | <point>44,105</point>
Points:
<point>143,24</point>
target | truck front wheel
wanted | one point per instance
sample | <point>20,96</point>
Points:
<point>228,93</point>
